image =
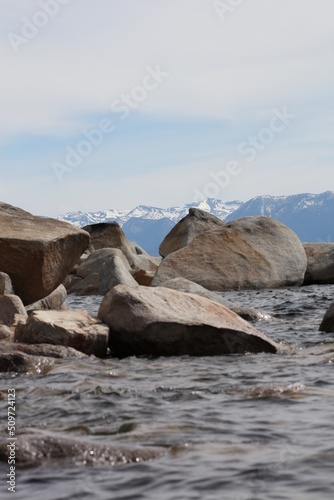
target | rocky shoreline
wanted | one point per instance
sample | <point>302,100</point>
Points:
<point>150,306</point>
<point>160,306</point>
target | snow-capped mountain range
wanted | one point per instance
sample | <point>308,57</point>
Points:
<point>311,216</point>
<point>216,207</point>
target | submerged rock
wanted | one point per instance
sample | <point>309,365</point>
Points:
<point>19,362</point>
<point>195,223</point>
<point>37,447</point>
<point>75,329</point>
<point>45,350</point>
<point>248,253</point>
<point>163,322</point>
<point>37,253</point>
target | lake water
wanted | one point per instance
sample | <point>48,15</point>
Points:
<point>233,427</point>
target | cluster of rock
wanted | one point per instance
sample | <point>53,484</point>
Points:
<point>164,305</point>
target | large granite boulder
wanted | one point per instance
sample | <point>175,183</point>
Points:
<point>248,253</point>
<point>164,322</point>
<point>37,253</point>
<point>320,263</point>
<point>195,223</point>
<point>186,286</point>
<point>75,329</point>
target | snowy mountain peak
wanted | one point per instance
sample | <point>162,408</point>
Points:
<point>309,215</point>
<point>215,207</point>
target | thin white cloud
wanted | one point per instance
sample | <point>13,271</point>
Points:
<point>265,54</point>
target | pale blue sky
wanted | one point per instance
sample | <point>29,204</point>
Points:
<point>226,73</point>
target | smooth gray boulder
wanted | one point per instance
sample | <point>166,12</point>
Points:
<point>114,272</point>
<point>320,263</point>
<point>195,223</point>
<point>163,322</point>
<point>248,253</point>
<point>94,262</point>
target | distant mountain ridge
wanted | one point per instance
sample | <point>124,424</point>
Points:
<point>311,216</point>
<point>216,207</point>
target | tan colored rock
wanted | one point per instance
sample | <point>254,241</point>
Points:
<point>54,301</point>
<point>163,322</point>
<point>37,253</point>
<point>248,253</point>
<point>11,310</point>
<point>186,286</point>
<point>320,263</point>
<point>75,329</point>
<point>195,223</point>
<point>6,287</point>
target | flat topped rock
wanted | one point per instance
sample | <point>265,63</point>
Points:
<point>164,322</point>
<point>37,253</point>
<point>75,329</point>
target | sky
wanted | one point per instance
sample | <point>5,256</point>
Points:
<point>116,103</point>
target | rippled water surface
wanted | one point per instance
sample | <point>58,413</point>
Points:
<point>233,427</point>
